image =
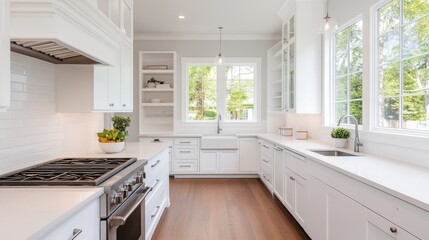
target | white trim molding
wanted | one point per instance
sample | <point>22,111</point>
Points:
<point>250,37</point>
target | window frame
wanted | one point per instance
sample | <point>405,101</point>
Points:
<point>221,84</point>
<point>330,39</point>
<point>374,73</point>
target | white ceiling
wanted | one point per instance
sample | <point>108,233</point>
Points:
<point>240,18</point>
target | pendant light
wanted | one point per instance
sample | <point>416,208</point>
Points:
<point>219,58</point>
<point>329,24</point>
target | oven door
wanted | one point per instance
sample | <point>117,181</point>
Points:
<point>127,222</point>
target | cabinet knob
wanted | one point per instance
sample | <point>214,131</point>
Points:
<point>393,230</point>
<point>124,105</point>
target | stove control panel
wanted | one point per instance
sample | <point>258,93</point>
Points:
<point>125,189</point>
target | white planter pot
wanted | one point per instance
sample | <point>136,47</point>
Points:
<point>340,142</point>
<point>112,147</point>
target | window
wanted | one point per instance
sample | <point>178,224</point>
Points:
<point>348,72</point>
<point>403,65</point>
<point>229,90</point>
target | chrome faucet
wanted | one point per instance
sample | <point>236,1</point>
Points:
<point>357,143</point>
<point>219,118</point>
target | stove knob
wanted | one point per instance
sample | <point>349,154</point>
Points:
<point>117,198</point>
<point>124,191</point>
<point>128,187</point>
<point>138,179</point>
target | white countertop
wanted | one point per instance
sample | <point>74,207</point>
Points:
<point>190,135</point>
<point>402,180</point>
<point>31,212</point>
<point>141,151</point>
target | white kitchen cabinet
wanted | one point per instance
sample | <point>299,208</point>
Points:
<point>185,155</point>
<point>301,55</point>
<point>295,195</point>
<point>4,55</point>
<point>248,155</point>
<point>126,102</point>
<point>278,173</point>
<point>85,224</point>
<point>219,161</point>
<point>157,177</point>
<point>274,77</point>
<point>258,158</point>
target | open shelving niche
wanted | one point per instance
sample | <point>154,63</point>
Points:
<point>157,118</point>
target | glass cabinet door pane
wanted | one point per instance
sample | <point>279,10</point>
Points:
<point>292,27</point>
<point>285,33</point>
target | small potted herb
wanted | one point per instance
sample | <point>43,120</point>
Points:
<point>340,136</point>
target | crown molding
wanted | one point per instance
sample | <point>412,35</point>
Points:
<point>138,36</point>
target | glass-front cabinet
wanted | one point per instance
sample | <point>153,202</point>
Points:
<point>288,69</point>
<point>301,56</point>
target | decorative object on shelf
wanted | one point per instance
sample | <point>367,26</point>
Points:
<point>301,134</point>
<point>163,86</point>
<point>328,24</point>
<point>155,100</point>
<point>156,67</point>
<point>152,82</point>
<point>340,136</point>
<point>286,131</point>
<point>219,57</point>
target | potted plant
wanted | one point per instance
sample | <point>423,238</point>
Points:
<point>113,141</point>
<point>340,136</point>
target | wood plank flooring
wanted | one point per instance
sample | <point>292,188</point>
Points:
<point>225,209</point>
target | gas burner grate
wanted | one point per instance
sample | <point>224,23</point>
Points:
<point>68,172</point>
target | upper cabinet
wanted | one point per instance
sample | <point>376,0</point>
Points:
<point>101,88</point>
<point>4,56</point>
<point>301,56</point>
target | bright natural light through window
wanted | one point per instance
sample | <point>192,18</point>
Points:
<point>403,65</point>
<point>348,72</point>
<point>228,90</point>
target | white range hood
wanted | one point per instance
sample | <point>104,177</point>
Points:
<point>63,31</point>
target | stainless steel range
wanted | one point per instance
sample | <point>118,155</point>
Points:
<point>121,205</point>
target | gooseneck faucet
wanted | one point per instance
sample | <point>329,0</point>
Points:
<point>357,143</point>
<point>219,118</point>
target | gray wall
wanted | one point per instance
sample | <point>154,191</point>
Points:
<point>200,48</point>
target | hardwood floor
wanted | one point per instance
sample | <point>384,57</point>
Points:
<point>222,209</point>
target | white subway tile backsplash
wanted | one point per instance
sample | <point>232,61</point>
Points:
<point>31,131</point>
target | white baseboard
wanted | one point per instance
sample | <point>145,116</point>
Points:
<point>216,175</point>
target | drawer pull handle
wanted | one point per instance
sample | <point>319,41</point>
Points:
<point>265,161</point>
<point>278,149</point>
<point>185,151</point>
<point>157,181</point>
<point>267,178</point>
<point>156,212</point>
<point>182,166</point>
<point>291,178</point>
<point>76,233</point>
<point>185,142</point>
<point>154,165</point>
<point>393,230</point>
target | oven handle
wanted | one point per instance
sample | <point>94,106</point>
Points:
<point>121,220</point>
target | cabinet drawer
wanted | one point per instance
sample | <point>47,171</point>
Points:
<point>156,139</point>
<point>87,220</point>
<point>267,160</point>
<point>267,148</point>
<point>186,141</point>
<point>156,167</point>
<point>267,175</point>
<point>185,166</point>
<point>295,162</point>
<point>185,152</point>
<point>154,209</point>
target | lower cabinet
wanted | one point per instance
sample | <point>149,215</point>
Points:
<point>83,225</point>
<point>295,195</point>
<point>248,155</point>
<point>335,216</point>
<point>278,173</point>
<point>157,177</point>
<point>225,161</point>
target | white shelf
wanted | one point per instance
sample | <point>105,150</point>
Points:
<point>158,90</point>
<point>277,82</point>
<point>168,71</point>
<point>277,97</point>
<point>157,104</point>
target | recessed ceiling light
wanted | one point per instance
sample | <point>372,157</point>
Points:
<point>181,17</point>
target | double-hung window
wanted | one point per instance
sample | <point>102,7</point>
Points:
<point>402,65</point>
<point>348,72</point>
<point>229,90</point>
